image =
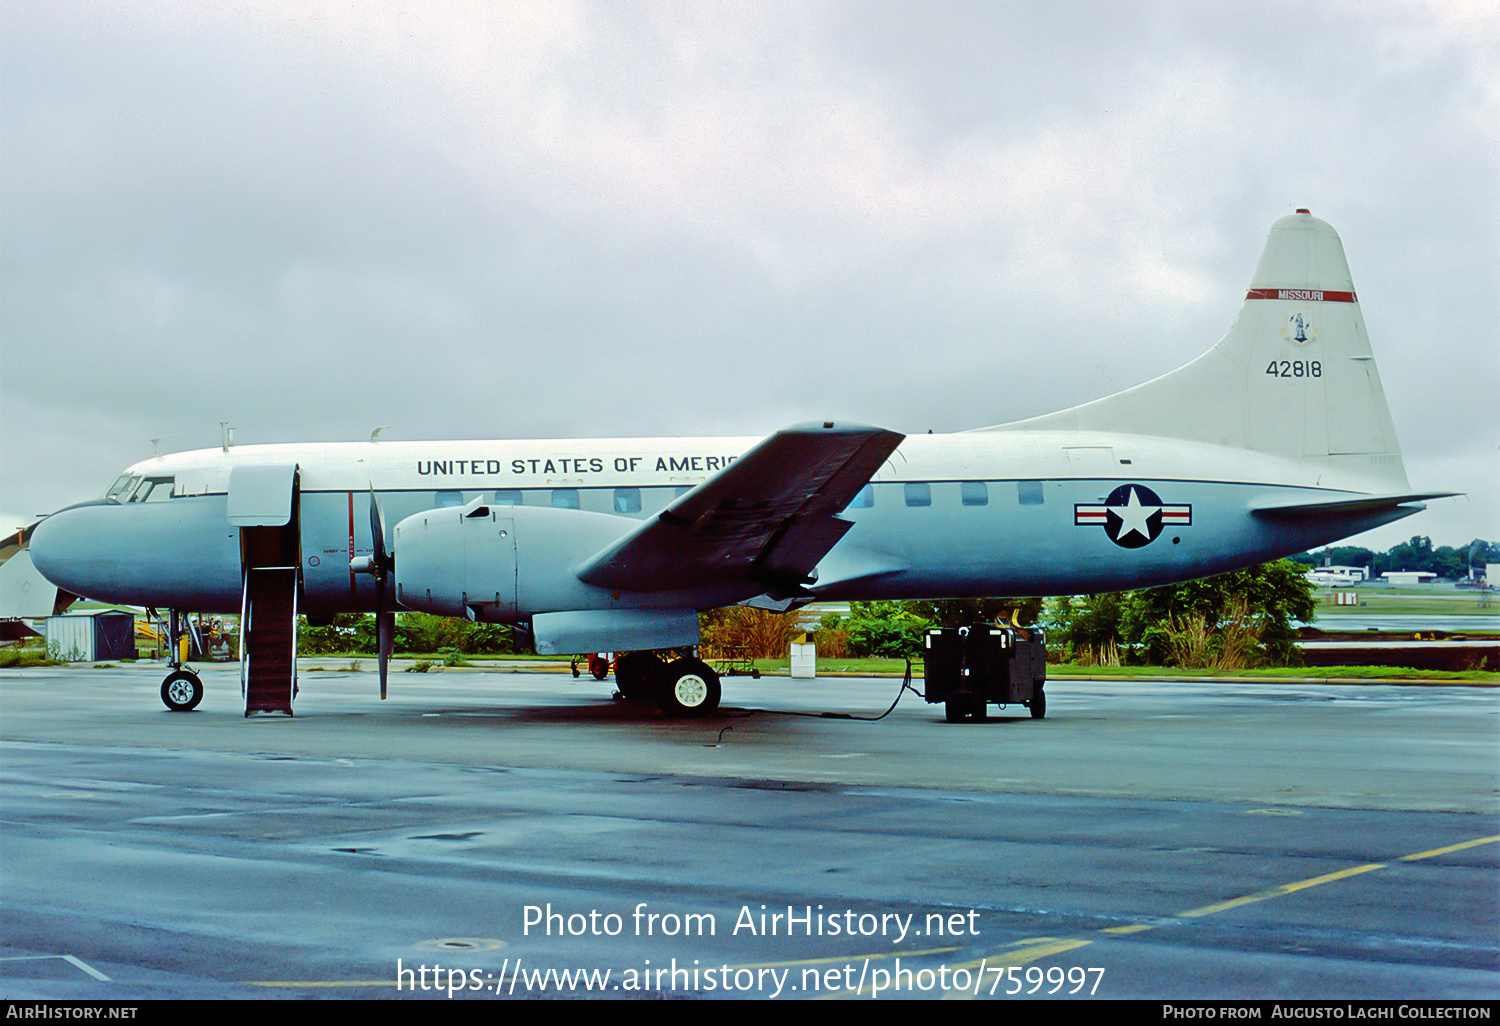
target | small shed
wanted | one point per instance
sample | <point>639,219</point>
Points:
<point>84,637</point>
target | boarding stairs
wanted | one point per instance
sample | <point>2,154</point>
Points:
<point>268,640</point>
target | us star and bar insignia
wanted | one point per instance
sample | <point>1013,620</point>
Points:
<point>1133,515</point>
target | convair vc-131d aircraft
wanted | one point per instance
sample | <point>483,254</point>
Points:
<point>1276,440</point>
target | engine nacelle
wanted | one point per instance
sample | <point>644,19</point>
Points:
<point>499,563</point>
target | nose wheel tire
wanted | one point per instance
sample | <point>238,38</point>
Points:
<point>689,688</point>
<point>182,691</point>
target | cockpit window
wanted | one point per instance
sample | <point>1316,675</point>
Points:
<point>122,486</point>
<point>154,489</point>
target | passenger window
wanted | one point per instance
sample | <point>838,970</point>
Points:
<point>918,493</point>
<point>864,498</point>
<point>1029,493</point>
<point>974,493</point>
<point>507,497</point>
<point>442,499</point>
<point>627,500</point>
<point>565,498</point>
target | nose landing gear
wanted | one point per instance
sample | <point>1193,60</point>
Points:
<point>182,691</point>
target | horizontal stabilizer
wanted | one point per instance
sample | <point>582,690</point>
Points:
<point>1344,507</point>
<point>769,516</point>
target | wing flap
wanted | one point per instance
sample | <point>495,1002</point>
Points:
<point>769,516</point>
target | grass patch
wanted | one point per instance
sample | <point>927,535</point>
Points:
<point>1407,604</point>
<point>872,666</point>
<point>27,653</point>
<point>897,667</point>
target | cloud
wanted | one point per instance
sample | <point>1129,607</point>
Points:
<point>599,219</point>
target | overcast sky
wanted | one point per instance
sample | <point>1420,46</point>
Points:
<point>491,220</point>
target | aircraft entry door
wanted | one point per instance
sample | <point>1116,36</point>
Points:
<point>263,503</point>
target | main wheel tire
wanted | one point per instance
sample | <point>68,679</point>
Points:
<point>690,687</point>
<point>182,691</point>
<point>599,667</point>
<point>1038,703</point>
<point>637,675</point>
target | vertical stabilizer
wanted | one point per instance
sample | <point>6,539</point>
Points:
<point>1293,377</point>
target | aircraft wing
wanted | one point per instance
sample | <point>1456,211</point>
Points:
<point>769,516</point>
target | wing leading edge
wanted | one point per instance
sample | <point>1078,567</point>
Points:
<point>768,517</point>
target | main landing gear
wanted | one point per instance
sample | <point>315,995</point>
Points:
<point>681,684</point>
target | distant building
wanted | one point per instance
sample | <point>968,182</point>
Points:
<point>1400,577</point>
<point>1336,576</point>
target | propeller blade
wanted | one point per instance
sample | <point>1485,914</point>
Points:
<point>385,635</point>
<point>380,565</point>
<point>377,529</point>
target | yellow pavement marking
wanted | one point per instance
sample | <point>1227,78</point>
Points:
<point>1276,892</point>
<point>874,957</point>
<point>1001,960</point>
<point>1020,956</point>
<point>1452,847</point>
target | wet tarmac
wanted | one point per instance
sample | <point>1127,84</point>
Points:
<point>487,834</point>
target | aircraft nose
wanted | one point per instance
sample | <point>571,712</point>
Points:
<point>176,554</point>
<point>61,546</point>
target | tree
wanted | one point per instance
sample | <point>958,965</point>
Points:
<point>1416,554</point>
<point>1272,596</point>
<point>348,632</point>
<point>891,629</point>
<point>971,612</point>
<point>1089,627</point>
<point>1234,618</point>
<point>746,631</point>
<point>897,629</point>
<point>419,633</point>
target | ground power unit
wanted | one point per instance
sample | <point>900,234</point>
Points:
<point>966,668</point>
